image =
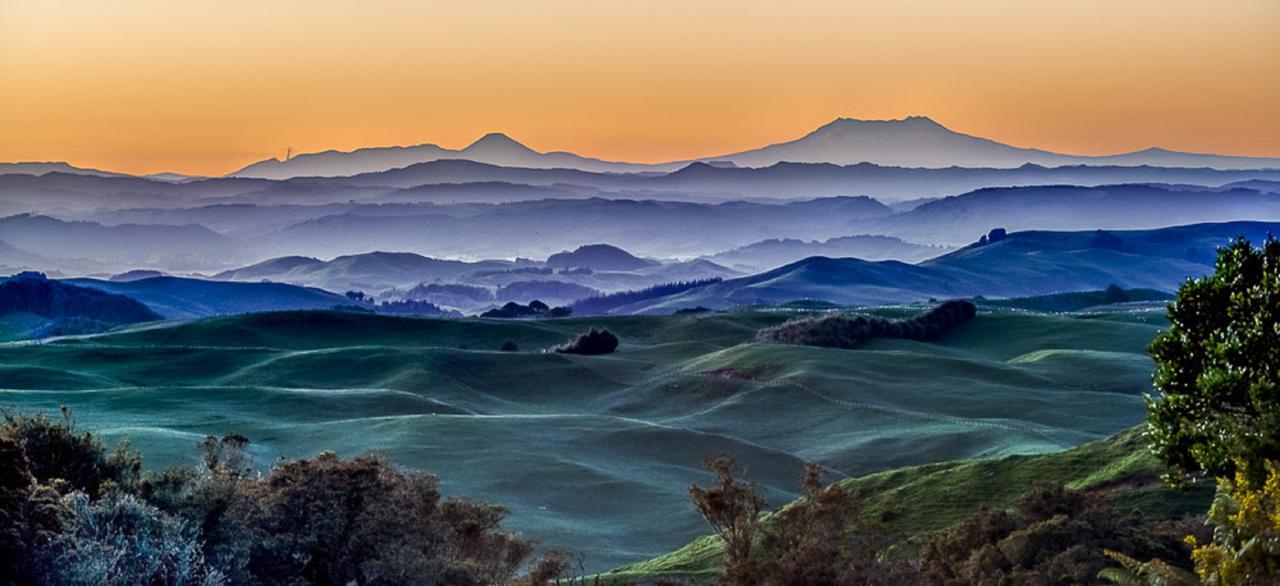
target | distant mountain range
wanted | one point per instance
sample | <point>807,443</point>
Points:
<point>915,141</point>
<point>494,148</point>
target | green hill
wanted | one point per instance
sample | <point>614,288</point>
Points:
<point>923,500</point>
<point>537,431</point>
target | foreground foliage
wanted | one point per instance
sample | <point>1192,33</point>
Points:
<point>72,514</point>
<point>1218,412</point>
<point>1051,535</point>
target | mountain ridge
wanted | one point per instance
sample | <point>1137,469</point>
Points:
<point>913,141</point>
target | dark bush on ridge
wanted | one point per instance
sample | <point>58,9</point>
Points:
<point>594,342</point>
<point>840,331</point>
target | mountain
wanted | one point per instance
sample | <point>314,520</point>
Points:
<point>370,272</point>
<point>1014,265</point>
<point>961,219</point>
<point>493,148</point>
<point>33,168</point>
<point>915,141</point>
<point>534,229</point>
<point>919,141</point>
<point>775,252</point>
<point>188,246</point>
<point>181,298</point>
<point>599,257</point>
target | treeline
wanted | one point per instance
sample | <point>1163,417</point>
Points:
<point>602,304</point>
<point>33,293</point>
<point>1051,536</point>
<point>841,331</point>
<point>72,512</point>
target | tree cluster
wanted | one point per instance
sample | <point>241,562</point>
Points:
<point>535,308</point>
<point>841,331</point>
<point>33,293</point>
<point>602,304</point>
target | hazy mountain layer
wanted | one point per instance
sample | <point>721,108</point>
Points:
<point>915,141</point>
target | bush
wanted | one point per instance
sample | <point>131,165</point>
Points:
<point>594,342</point>
<point>509,346</point>
<point>840,331</point>
<point>119,539</point>
<point>1053,536</point>
<point>54,450</point>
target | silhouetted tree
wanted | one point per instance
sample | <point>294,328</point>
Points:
<point>732,509</point>
<point>594,342</point>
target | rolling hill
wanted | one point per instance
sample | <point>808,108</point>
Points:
<point>1019,264</point>
<point>629,428</point>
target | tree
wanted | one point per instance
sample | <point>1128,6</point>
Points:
<point>594,342</point>
<point>1218,369</point>
<point>732,509</point>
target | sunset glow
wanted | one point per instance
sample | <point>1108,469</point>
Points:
<point>207,87</point>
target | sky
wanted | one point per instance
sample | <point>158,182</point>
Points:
<point>206,87</point>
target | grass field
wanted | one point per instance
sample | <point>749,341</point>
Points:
<point>594,454</point>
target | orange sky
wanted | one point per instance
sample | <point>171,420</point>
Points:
<point>204,86</point>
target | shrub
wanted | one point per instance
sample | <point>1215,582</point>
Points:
<point>594,342</point>
<point>1052,536</point>
<point>1245,547</point>
<point>840,331</point>
<point>119,539</point>
<point>509,346</point>
<point>54,450</point>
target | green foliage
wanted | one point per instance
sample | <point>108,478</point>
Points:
<point>1218,368</point>
<point>1245,548</point>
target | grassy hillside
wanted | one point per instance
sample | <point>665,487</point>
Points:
<point>923,500</point>
<point>538,431</point>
